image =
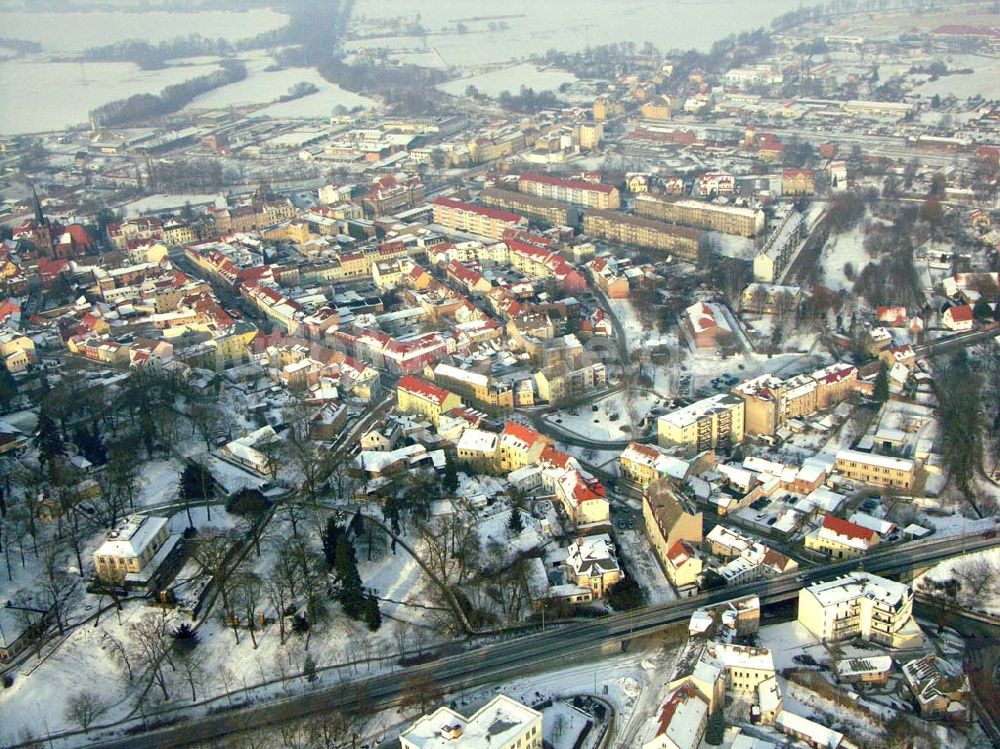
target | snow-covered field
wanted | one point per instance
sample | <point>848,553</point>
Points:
<point>262,86</point>
<point>534,27</point>
<point>840,250</point>
<point>44,96</point>
<point>510,79</point>
<point>154,203</point>
<point>984,80</point>
<point>76,31</point>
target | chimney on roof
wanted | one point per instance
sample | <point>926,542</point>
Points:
<point>452,731</point>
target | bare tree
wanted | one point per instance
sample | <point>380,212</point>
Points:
<point>83,708</point>
<point>121,654</point>
<point>150,645</point>
<point>212,551</point>
<point>248,591</point>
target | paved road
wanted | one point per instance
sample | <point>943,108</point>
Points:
<point>539,651</point>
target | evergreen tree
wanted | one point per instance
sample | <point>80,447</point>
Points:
<point>982,311</point>
<point>330,538</point>
<point>515,524</point>
<point>372,615</point>
<point>882,383</point>
<point>352,595</point>
<point>450,473</point>
<point>715,731</point>
<point>195,483</point>
<point>309,669</point>
<point>8,390</point>
<point>49,441</point>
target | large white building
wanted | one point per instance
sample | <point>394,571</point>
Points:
<point>502,723</point>
<point>139,542</point>
<point>714,422</point>
<point>860,604</point>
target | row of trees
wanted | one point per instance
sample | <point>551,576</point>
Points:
<point>171,99</point>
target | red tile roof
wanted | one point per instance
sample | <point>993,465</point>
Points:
<point>423,389</point>
<point>848,529</point>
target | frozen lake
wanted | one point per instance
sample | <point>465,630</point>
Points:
<point>570,25</point>
<point>73,32</point>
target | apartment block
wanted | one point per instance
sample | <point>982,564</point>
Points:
<point>728,219</point>
<point>859,604</point>
<point>416,396</point>
<point>712,423</point>
<point>549,211</point>
<point>486,222</point>
<point>637,231</point>
<point>580,192</point>
<point>667,523</point>
<point>478,390</point>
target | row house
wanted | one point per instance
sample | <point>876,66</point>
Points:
<point>393,193</point>
<point>605,276</point>
<point>121,233</point>
<point>643,464</point>
<point>538,257</point>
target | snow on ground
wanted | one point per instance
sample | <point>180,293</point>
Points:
<point>841,249</point>
<point>988,600</point>
<point>66,31</point>
<point>158,480</point>
<point>641,563</point>
<point>533,27</point>
<point>469,486</point>
<point>262,86</point>
<point>984,81</point>
<point>200,518</point>
<point>56,95</point>
<point>612,420</point>
<point>789,639</point>
<point>562,724</point>
<point>156,203</point>
<point>232,477</point>
<point>510,79</point>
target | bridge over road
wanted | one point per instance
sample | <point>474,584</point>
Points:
<point>540,651</point>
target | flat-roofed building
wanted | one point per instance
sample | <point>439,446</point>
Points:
<point>859,604</point>
<point>502,723</point>
<point>711,423</point>
<point>727,219</point>
<point>881,470</point>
